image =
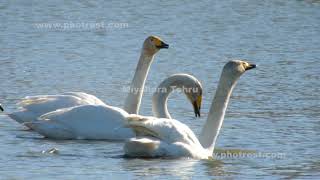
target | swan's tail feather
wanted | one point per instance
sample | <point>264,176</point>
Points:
<point>51,129</point>
<point>136,118</point>
<point>15,117</point>
<point>143,131</point>
<point>139,124</point>
<point>25,114</point>
<point>22,116</point>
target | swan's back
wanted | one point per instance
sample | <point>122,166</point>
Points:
<point>161,137</point>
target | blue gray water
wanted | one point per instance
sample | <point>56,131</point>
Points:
<point>274,109</point>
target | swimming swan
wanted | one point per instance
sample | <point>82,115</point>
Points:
<point>33,107</point>
<point>171,138</point>
<point>107,122</point>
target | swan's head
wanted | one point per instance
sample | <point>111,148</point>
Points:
<point>193,91</point>
<point>196,99</point>
<point>153,44</point>
<point>237,67</point>
<point>190,86</point>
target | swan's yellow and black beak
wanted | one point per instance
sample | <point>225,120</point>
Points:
<point>160,44</point>
<point>250,66</point>
<point>197,106</point>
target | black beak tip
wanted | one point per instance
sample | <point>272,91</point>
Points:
<point>196,109</point>
<point>165,46</point>
<point>197,113</point>
<point>1,108</point>
<point>251,66</point>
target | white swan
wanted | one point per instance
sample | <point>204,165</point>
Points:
<point>33,107</point>
<point>167,137</point>
<point>107,122</point>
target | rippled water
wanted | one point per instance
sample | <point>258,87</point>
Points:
<point>274,109</point>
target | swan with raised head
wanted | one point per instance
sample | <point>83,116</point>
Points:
<point>159,137</point>
<point>107,122</point>
<point>33,107</point>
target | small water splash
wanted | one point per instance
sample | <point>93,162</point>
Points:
<point>51,151</point>
<point>39,154</point>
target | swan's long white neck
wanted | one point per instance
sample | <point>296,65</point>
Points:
<point>133,100</point>
<point>160,106</point>
<point>217,111</point>
<point>160,98</point>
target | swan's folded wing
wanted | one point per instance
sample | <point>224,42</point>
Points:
<point>168,130</point>
<point>85,97</point>
<point>51,129</point>
<point>87,114</point>
<point>45,103</point>
<point>87,122</point>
